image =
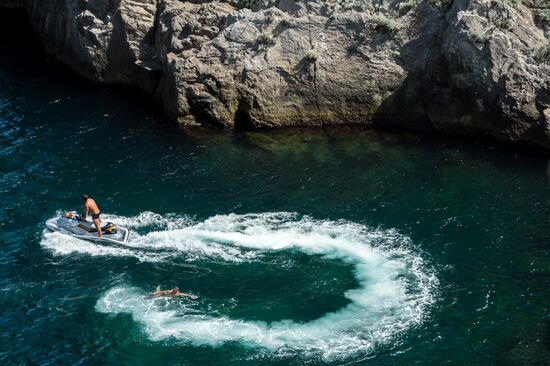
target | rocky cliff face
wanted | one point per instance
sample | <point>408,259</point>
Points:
<point>460,66</point>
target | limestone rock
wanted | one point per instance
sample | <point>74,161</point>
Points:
<point>487,48</point>
<point>459,66</point>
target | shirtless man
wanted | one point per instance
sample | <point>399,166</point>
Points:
<point>91,206</point>
<point>171,293</point>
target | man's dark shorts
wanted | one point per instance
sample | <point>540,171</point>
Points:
<point>95,216</point>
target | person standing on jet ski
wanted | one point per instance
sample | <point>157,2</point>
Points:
<point>91,206</point>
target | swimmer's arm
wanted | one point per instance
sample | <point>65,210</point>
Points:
<point>153,294</point>
<point>160,293</point>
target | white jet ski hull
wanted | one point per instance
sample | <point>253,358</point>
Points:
<point>85,230</point>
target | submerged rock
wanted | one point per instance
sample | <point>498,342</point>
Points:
<point>458,66</point>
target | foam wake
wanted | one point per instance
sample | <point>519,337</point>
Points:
<point>395,286</point>
<point>152,238</point>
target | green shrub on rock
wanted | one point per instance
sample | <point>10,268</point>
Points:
<point>254,4</point>
<point>479,37</point>
<point>542,55</point>
<point>336,6</point>
<point>381,23</point>
<point>312,56</point>
<point>440,4</point>
<point>404,7</point>
<point>250,3</point>
<point>500,19</point>
<point>398,7</point>
<point>544,15</point>
<point>266,39</point>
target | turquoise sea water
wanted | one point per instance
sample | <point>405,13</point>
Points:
<point>334,246</point>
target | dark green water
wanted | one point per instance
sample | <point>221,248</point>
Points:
<point>305,247</point>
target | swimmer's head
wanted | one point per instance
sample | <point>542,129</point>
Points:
<point>85,197</point>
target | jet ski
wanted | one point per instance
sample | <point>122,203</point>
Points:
<point>71,224</point>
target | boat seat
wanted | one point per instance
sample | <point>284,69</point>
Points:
<point>109,228</point>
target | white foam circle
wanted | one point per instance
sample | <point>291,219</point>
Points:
<point>396,287</point>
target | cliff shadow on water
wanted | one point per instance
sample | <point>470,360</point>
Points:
<point>22,52</point>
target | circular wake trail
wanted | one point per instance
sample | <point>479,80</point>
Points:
<point>395,289</point>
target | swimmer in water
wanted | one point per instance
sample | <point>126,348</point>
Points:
<point>171,293</point>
